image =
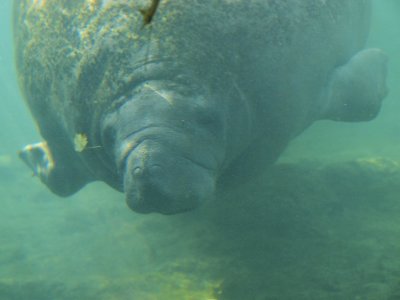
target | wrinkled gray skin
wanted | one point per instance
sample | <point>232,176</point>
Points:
<point>209,94</point>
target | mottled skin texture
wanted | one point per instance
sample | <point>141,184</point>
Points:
<point>209,93</point>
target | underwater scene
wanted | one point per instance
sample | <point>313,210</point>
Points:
<point>96,212</point>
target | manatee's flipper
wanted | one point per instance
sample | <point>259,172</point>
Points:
<point>61,176</point>
<point>355,90</point>
<point>38,158</point>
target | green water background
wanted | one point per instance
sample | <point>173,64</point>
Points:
<point>90,246</point>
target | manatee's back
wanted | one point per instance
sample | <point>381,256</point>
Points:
<point>76,58</point>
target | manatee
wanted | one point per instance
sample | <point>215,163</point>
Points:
<point>169,101</point>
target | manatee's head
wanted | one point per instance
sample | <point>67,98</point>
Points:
<point>169,148</point>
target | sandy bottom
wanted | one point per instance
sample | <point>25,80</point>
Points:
<point>303,231</point>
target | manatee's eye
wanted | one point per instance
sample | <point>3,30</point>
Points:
<point>108,136</point>
<point>210,120</point>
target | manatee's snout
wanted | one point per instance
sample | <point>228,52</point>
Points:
<point>159,180</point>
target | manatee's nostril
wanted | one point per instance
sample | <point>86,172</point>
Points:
<point>155,169</point>
<point>137,171</point>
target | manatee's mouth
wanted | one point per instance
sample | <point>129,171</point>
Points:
<point>166,170</point>
<point>157,178</point>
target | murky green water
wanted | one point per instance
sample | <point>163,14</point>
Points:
<point>323,224</point>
